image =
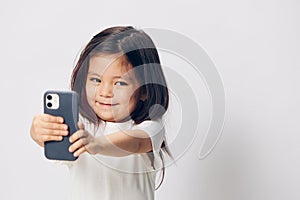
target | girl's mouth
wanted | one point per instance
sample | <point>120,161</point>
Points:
<point>106,104</point>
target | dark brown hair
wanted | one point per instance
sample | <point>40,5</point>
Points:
<point>140,51</point>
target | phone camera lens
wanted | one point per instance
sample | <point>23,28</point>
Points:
<point>49,105</point>
<point>49,97</point>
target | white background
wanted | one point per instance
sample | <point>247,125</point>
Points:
<point>255,46</point>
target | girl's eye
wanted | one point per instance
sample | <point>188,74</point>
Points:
<point>96,80</point>
<point>121,83</point>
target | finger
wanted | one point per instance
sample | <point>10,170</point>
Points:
<point>77,135</point>
<point>36,132</point>
<point>54,132</point>
<point>79,151</point>
<point>54,126</point>
<point>78,144</point>
<point>52,119</point>
<point>46,138</point>
<point>80,125</point>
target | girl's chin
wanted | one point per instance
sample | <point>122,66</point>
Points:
<point>107,116</point>
<point>111,118</point>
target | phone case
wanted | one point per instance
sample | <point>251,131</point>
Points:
<point>64,104</point>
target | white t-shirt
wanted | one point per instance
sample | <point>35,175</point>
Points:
<point>99,177</point>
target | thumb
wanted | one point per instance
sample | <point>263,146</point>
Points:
<point>80,125</point>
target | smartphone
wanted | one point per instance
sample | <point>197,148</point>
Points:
<point>64,104</point>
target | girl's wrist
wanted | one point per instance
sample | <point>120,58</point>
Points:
<point>98,145</point>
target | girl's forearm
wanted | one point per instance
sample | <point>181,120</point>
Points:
<point>123,143</point>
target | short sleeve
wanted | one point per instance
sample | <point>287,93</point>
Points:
<point>155,130</point>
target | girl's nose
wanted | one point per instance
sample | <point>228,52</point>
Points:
<point>105,90</point>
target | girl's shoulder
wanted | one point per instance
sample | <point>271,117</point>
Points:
<point>152,127</point>
<point>146,123</point>
<point>88,125</point>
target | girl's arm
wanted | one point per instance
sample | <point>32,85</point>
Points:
<point>121,143</point>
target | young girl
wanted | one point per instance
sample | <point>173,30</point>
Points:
<point>123,96</point>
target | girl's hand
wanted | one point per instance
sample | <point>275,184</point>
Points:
<point>46,127</point>
<point>82,141</point>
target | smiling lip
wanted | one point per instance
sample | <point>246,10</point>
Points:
<point>106,104</point>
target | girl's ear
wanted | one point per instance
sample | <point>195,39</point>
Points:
<point>143,94</point>
<point>143,97</point>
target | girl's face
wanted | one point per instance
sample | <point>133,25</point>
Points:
<point>111,87</point>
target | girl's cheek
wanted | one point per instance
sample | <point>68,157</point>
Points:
<point>123,95</point>
<point>90,91</point>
